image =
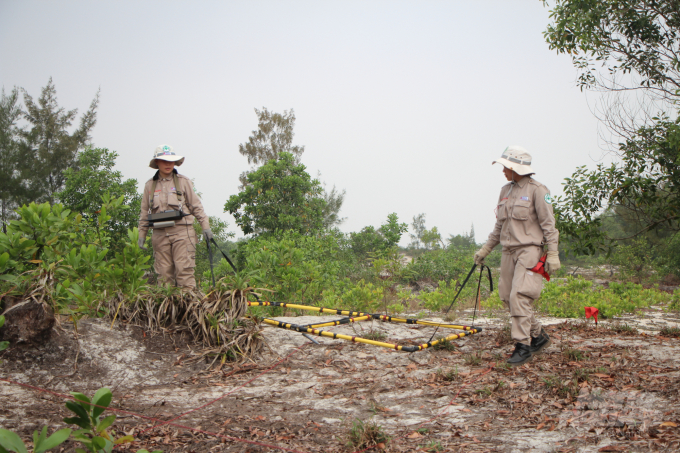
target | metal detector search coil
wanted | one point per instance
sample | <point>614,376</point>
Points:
<point>165,219</point>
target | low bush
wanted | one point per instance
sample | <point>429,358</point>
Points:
<point>367,435</point>
<point>441,265</point>
<point>567,299</point>
<point>50,253</point>
<point>665,331</point>
<point>52,256</point>
<point>95,433</point>
<point>675,300</point>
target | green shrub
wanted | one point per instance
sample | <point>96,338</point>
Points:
<point>93,434</point>
<point>493,302</point>
<point>443,295</point>
<point>669,255</point>
<point>675,300</point>
<point>395,308</point>
<point>10,441</point>
<point>3,344</point>
<point>441,265</point>
<point>50,252</point>
<point>665,331</point>
<point>636,261</point>
<point>294,267</point>
<point>567,299</point>
<point>362,296</point>
<point>366,435</point>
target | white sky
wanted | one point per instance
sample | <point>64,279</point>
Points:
<point>404,104</point>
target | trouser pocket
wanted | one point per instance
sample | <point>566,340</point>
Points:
<point>531,285</point>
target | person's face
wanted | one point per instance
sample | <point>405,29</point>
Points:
<point>508,173</point>
<point>165,167</point>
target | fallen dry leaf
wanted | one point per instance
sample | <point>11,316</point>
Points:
<point>671,424</point>
<point>414,435</point>
<point>277,437</point>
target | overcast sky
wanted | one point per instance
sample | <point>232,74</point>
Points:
<point>403,104</point>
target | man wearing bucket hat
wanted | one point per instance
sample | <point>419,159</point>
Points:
<point>525,224</point>
<point>174,242</point>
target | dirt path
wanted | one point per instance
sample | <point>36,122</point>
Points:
<point>595,389</point>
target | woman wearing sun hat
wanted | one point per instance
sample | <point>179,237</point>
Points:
<point>174,246</point>
<point>525,224</point>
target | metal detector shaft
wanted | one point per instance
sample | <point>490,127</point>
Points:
<point>454,299</point>
<point>212,272</point>
<point>210,258</point>
<point>224,255</point>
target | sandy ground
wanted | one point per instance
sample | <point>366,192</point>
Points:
<point>595,389</point>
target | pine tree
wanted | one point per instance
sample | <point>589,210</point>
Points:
<point>11,186</point>
<point>48,147</point>
<point>419,229</point>
<point>275,136</point>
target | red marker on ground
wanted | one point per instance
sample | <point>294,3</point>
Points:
<point>592,311</point>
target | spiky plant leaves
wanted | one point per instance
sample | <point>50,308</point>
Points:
<point>216,319</point>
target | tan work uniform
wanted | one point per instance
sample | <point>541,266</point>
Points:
<point>174,247</point>
<point>524,224</point>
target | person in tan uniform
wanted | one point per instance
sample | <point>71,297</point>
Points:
<point>525,225</point>
<point>174,246</point>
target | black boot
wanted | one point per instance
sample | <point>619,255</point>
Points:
<point>521,355</point>
<point>541,342</point>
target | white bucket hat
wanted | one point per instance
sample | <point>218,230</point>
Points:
<point>516,159</point>
<point>165,152</point>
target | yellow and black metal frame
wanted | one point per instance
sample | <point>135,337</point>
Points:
<point>355,316</point>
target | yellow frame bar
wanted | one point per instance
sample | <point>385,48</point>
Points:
<point>356,317</point>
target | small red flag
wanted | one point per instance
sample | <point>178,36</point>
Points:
<point>592,311</point>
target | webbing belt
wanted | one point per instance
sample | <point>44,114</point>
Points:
<point>180,194</point>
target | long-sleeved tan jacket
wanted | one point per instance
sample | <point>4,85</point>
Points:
<point>524,216</point>
<point>165,199</point>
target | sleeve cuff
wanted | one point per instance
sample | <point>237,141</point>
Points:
<point>553,248</point>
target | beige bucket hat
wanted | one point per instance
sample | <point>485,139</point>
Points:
<point>165,152</point>
<point>516,159</point>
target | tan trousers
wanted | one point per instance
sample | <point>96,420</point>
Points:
<point>518,288</point>
<point>174,251</point>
